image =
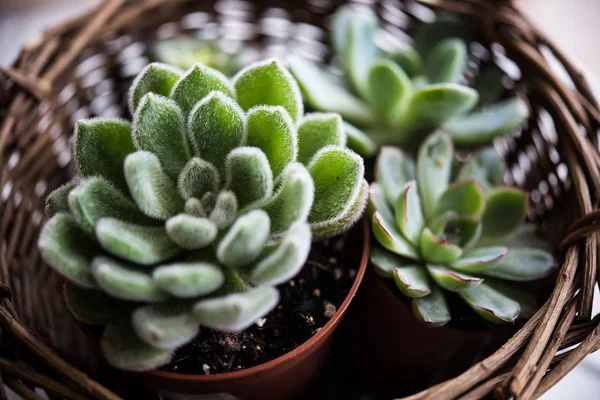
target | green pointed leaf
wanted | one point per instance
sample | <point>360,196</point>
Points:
<point>236,312</point>
<point>378,202</point>
<point>447,61</point>
<point>95,198</point>
<point>94,307</point>
<point>407,59</point>
<point>249,176</point>
<point>318,130</point>
<point>193,207</point>
<point>505,211</point>
<point>245,239</point>
<point>361,51</point>
<point>323,93</point>
<point>489,84</point>
<point>197,178</point>
<point>465,197</point>
<point>216,126</point>
<point>191,232</point>
<point>67,249</point>
<point>271,130</point>
<point>159,128</point>
<point>294,199</point>
<point>123,349</point>
<point>451,280</point>
<point>526,300</point>
<point>429,35</point>
<point>527,235</point>
<point>523,265</point>
<point>58,200</point>
<point>432,105</point>
<point>384,261</point>
<point>165,326</point>
<point>152,190</point>
<point>393,169</point>
<point>483,126</point>
<point>409,215</point>
<point>197,83</point>
<point>286,260</point>
<point>124,282</point>
<point>388,86</point>
<point>485,167</point>
<point>439,223</point>
<point>478,261</point>
<point>390,237</point>
<point>438,251</point>
<point>359,141</point>
<point>225,208</point>
<point>338,177</point>
<point>432,309</point>
<point>135,243</point>
<point>187,280</point>
<point>434,166</point>
<point>100,148</point>
<point>268,83</point>
<point>340,24</point>
<point>156,78</point>
<point>412,280</point>
<point>491,304</point>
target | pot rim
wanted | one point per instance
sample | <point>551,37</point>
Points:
<point>319,336</point>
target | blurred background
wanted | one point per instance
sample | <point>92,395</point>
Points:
<point>572,25</point>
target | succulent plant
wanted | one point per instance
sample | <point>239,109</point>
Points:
<point>399,97</point>
<point>441,226</point>
<point>192,214</point>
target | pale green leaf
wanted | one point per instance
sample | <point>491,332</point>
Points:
<point>361,50</point>
<point>432,309</point>
<point>491,304</point>
<point>187,280</point>
<point>198,177</point>
<point>94,307</point>
<point>191,232</point>
<point>412,280</point>
<point>388,86</point>
<point>480,260</point>
<point>245,240</point>
<point>359,141</point>
<point>434,166</point>
<point>388,235</point>
<point>318,130</point>
<point>249,176</point>
<point>451,280</point>
<point>526,299</point>
<point>485,167</point>
<point>165,326</point>
<point>378,202</point>
<point>438,251</point>
<point>523,264</point>
<point>194,207</point>
<point>393,169</point>
<point>224,210</point>
<point>408,59</point>
<point>58,200</point>
<point>465,197</point>
<point>504,212</point>
<point>528,235</point>
<point>409,214</point>
<point>155,78</point>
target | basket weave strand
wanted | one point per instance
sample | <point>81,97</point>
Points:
<point>83,67</point>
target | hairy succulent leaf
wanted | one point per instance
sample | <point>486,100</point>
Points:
<point>322,93</point>
<point>464,197</point>
<point>124,349</point>
<point>100,147</point>
<point>491,304</point>
<point>236,312</point>
<point>165,326</point>
<point>412,280</point>
<point>434,167</point>
<point>194,207</point>
<point>393,170</point>
<point>249,176</point>
<point>135,243</point>
<point>268,83</point>
<point>156,78</point>
<point>504,212</point>
<point>224,210</point>
<point>388,86</point>
<point>245,239</point>
<point>482,126</point>
<point>318,130</point>
<point>58,200</point>
<point>294,199</point>
<point>198,177</point>
<point>159,128</point>
<point>216,126</point>
<point>409,215</point>
<point>191,232</point>
<point>94,307</point>
<point>152,190</point>
<point>447,61</point>
<point>359,141</point>
<point>523,265</point>
<point>188,280</point>
<point>197,83</point>
<point>65,246</point>
<point>272,130</point>
<point>378,202</point>
<point>453,281</point>
<point>123,282</point>
<point>286,259</point>
<point>390,237</point>
<point>432,309</point>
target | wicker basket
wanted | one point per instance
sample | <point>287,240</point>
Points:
<point>84,67</point>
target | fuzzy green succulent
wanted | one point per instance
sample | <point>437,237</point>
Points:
<point>399,97</point>
<point>193,213</point>
<point>452,227</point>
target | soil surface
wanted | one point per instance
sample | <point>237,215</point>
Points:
<point>307,302</point>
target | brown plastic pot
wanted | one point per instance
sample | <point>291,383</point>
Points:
<point>289,376</point>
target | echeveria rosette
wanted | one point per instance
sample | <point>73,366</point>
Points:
<point>194,212</point>
<point>462,235</point>
<point>399,97</point>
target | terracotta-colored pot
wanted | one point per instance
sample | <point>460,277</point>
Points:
<point>289,376</point>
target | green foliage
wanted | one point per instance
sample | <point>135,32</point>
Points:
<point>191,214</point>
<point>464,236</point>
<point>399,97</point>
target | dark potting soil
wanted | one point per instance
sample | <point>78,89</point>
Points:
<point>306,303</point>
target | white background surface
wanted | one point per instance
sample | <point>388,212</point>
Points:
<point>573,25</point>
